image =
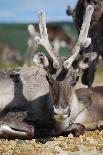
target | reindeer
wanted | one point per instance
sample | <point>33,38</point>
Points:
<point>58,38</point>
<point>95,33</point>
<point>36,102</point>
<point>73,110</point>
<point>9,54</point>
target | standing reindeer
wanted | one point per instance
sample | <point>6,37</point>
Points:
<point>95,33</point>
<point>30,107</point>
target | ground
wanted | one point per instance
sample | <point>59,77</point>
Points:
<point>90,143</point>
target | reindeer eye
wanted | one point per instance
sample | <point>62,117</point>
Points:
<point>74,80</point>
<point>86,60</point>
<point>92,1</point>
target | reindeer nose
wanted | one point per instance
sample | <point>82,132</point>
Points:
<point>61,110</point>
<point>61,114</point>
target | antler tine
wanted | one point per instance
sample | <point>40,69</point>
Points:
<point>31,31</point>
<point>43,39</point>
<point>42,25</point>
<point>83,41</point>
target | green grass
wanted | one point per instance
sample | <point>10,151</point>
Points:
<point>99,72</point>
<point>10,65</point>
<point>15,35</point>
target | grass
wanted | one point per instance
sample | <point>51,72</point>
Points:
<point>99,73</point>
<point>10,65</point>
<point>17,35</point>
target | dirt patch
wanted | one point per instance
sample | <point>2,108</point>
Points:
<point>90,143</point>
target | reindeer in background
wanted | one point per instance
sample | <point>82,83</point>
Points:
<point>95,33</point>
<point>9,54</point>
<point>36,102</point>
<point>58,38</point>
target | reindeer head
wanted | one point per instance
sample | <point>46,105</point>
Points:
<point>98,8</point>
<point>78,12</point>
<point>62,75</point>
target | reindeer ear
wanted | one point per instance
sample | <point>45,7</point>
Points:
<point>41,60</point>
<point>69,11</point>
<point>87,59</point>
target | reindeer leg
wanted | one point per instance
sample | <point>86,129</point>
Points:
<point>15,125</point>
<point>76,129</point>
<point>10,133</point>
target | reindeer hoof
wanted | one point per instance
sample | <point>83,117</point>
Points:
<point>77,129</point>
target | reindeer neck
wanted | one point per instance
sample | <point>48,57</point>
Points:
<point>74,112</point>
<point>74,104</point>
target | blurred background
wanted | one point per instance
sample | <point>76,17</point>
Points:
<point>16,48</point>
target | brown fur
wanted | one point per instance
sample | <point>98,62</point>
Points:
<point>95,33</point>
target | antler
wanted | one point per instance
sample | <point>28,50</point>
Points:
<point>83,41</point>
<point>43,39</point>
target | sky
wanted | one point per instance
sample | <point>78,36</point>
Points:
<point>24,11</point>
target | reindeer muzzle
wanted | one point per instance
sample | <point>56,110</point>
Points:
<point>60,114</point>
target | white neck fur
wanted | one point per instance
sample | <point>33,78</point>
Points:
<point>74,106</point>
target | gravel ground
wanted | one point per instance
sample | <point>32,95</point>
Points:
<point>90,143</point>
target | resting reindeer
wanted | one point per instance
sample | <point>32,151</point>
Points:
<point>28,109</point>
<point>95,33</point>
<point>72,109</point>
